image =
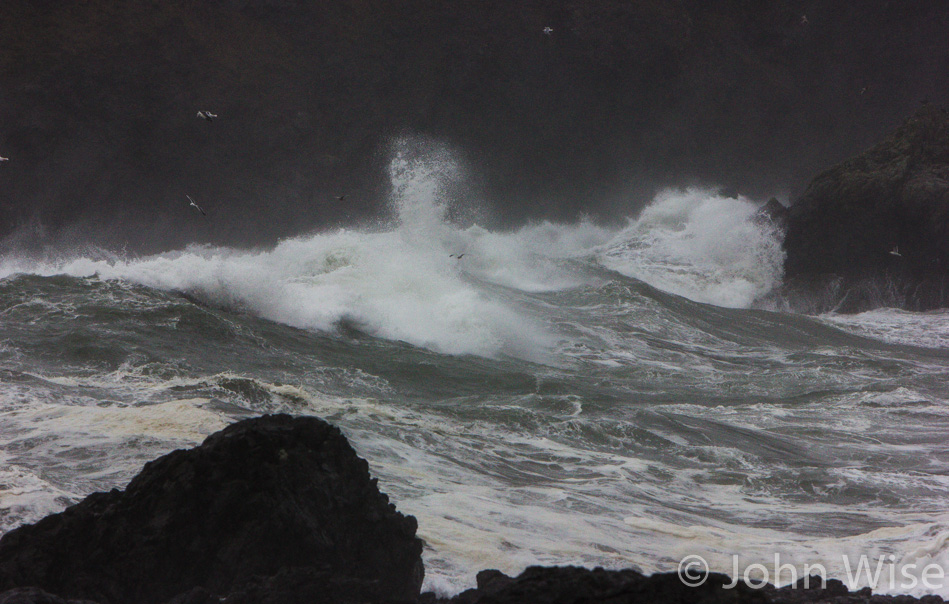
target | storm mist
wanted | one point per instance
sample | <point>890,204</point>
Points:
<point>555,108</point>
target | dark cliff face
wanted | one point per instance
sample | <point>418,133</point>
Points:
<point>98,103</point>
<point>879,222</point>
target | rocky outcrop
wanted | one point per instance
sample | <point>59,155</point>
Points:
<point>563,585</point>
<point>874,230</point>
<point>543,585</point>
<point>274,504</point>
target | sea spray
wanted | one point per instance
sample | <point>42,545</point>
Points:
<point>406,283</point>
<point>430,282</point>
<point>701,245</point>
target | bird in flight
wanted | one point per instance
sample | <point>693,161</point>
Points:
<point>804,20</point>
<point>207,115</point>
<point>459,256</point>
<point>548,30</point>
<point>895,251</point>
<point>341,197</point>
<point>196,206</point>
<point>4,159</point>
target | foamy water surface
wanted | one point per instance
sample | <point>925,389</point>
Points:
<point>556,394</point>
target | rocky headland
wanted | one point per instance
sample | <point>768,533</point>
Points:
<point>873,231</point>
<point>281,510</point>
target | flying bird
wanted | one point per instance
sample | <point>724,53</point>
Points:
<point>548,30</point>
<point>196,206</point>
<point>207,115</point>
<point>4,159</point>
<point>864,90</point>
<point>458,257</point>
<point>804,20</point>
<point>896,251</point>
<point>341,197</point>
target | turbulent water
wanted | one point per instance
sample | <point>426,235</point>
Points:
<point>557,394</point>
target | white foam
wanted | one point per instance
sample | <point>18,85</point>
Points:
<point>501,492</point>
<point>930,329</point>
<point>911,542</point>
<point>26,497</point>
<point>700,245</point>
<point>401,284</point>
<point>430,282</point>
<point>182,420</point>
<point>522,498</point>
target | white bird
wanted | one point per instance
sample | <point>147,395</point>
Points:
<point>548,30</point>
<point>804,20</point>
<point>207,115</point>
<point>196,206</point>
<point>4,159</point>
<point>896,251</point>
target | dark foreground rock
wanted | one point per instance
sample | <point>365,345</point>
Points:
<point>274,504</point>
<point>280,510</point>
<point>874,230</point>
<point>557,585</point>
<point>571,585</point>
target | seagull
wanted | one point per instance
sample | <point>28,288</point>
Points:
<point>896,251</point>
<point>341,197</point>
<point>4,159</point>
<point>207,115</point>
<point>863,90</point>
<point>804,20</point>
<point>548,30</point>
<point>196,206</point>
<point>458,257</point>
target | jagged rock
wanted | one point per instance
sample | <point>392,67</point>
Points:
<point>572,585</point>
<point>262,502</point>
<point>307,585</point>
<point>879,223</point>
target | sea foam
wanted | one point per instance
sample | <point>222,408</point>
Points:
<point>456,288</point>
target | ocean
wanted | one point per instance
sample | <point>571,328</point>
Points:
<point>551,394</point>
